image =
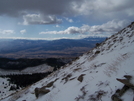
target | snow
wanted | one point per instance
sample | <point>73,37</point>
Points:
<point>114,60</point>
<point>5,87</point>
<point>29,70</point>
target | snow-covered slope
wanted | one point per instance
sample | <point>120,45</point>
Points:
<point>5,85</point>
<point>29,70</point>
<point>5,88</point>
<point>92,77</point>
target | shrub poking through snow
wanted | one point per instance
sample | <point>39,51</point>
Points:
<point>67,77</point>
<point>97,95</point>
<point>81,97</point>
<point>97,52</point>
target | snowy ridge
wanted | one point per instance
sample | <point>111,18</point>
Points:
<point>29,70</point>
<point>98,70</point>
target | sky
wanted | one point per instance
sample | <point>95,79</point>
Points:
<point>57,19</point>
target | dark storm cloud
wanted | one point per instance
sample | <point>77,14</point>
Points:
<point>98,10</point>
<point>52,7</point>
<point>67,7</point>
<point>38,11</point>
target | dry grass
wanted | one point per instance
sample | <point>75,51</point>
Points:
<point>66,78</point>
<point>81,97</point>
<point>97,95</point>
<point>114,66</point>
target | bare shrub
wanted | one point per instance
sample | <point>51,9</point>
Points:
<point>97,52</point>
<point>72,78</point>
<point>97,95</point>
<point>81,97</point>
<point>93,66</point>
<point>77,69</point>
<point>67,78</point>
<point>106,83</point>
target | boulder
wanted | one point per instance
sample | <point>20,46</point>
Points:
<point>123,90</point>
<point>126,82</point>
<point>80,78</point>
<point>115,98</point>
<point>128,77</point>
<point>39,91</point>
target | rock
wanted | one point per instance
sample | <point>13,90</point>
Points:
<point>80,78</point>
<point>123,90</point>
<point>39,91</point>
<point>115,98</point>
<point>126,82</point>
<point>50,84</point>
<point>120,92</point>
<point>43,89</point>
<point>128,77</point>
<point>36,90</point>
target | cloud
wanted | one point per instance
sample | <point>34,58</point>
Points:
<point>69,20</point>
<point>57,26</point>
<point>23,31</point>
<point>31,19</point>
<point>108,28</point>
<point>70,30</point>
<point>49,7</point>
<point>7,32</point>
<point>102,9</point>
<point>93,9</point>
<point>26,38</point>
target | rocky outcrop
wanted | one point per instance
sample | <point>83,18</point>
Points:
<point>127,85</point>
<point>43,90</point>
<point>126,82</point>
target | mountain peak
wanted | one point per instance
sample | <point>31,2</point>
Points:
<point>94,76</point>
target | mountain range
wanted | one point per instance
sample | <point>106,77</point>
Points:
<point>64,48</point>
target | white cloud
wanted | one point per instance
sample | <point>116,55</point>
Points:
<point>79,37</point>
<point>69,20</point>
<point>31,19</point>
<point>23,31</point>
<point>107,28</point>
<point>7,32</point>
<point>70,30</point>
<point>57,26</point>
<point>105,9</point>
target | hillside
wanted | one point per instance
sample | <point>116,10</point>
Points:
<point>92,77</point>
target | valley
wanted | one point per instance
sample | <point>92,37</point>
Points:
<point>33,49</point>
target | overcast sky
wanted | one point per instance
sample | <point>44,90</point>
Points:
<point>55,19</point>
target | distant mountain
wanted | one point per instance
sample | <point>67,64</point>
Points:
<point>105,73</point>
<point>46,49</point>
